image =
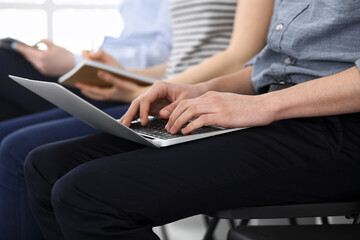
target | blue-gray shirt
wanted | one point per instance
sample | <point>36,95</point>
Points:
<point>308,39</point>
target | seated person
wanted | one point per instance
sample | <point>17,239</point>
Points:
<point>300,95</point>
<point>243,47</point>
<point>137,47</point>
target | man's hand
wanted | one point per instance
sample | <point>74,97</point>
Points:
<point>121,90</point>
<point>54,61</point>
<point>160,100</point>
<point>227,110</point>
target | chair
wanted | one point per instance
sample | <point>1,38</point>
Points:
<point>291,211</point>
<point>304,232</point>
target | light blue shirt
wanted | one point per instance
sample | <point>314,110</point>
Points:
<point>308,39</point>
<point>146,38</point>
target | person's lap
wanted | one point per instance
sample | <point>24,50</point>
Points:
<point>301,160</point>
<point>11,125</point>
<point>19,136</point>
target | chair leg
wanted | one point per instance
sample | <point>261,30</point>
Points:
<point>244,222</point>
<point>211,228</point>
<point>206,220</point>
<point>324,221</point>
<point>212,223</point>
<point>293,221</point>
<point>231,223</point>
<point>357,219</point>
<point>164,233</point>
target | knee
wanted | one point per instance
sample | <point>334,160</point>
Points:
<point>62,193</point>
<point>43,162</point>
<point>13,151</point>
<point>70,194</point>
<point>33,163</point>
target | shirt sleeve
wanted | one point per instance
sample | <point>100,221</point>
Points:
<point>77,59</point>
<point>145,41</point>
<point>357,63</point>
<point>250,62</point>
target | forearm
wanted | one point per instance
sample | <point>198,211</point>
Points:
<point>218,65</point>
<point>249,38</point>
<point>153,72</point>
<point>238,82</point>
<point>332,95</point>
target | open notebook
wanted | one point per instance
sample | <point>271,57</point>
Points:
<point>152,135</point>
<point>86,72</point>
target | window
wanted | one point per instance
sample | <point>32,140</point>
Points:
<point>74,24</point>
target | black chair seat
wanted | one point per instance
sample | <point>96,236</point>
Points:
<point>291,211</point>
<point>303,232</point>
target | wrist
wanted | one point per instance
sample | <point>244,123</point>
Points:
<point>139,91</point>
<point>204,87</point>
<point>272,105</point>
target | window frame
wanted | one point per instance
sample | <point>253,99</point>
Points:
<point>49,7</point>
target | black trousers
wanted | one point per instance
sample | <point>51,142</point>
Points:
<point>16,100</point>
<point>103,187</point>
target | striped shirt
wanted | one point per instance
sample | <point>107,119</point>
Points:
<point>201,29</point>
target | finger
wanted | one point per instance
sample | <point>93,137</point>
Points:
<point>158,91</point>
<point>181,107</point>
<point>203,120</point>
<point>86,54</point>
<point>108,77</point>
<point>189,113</point>
<point>131,113</point>
<point>48,43</point>
<point>98,55</point>
<point>167,111</point>
<point>96,92</point>
<point>94,95</point>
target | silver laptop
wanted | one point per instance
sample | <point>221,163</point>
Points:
<point>154,134</point>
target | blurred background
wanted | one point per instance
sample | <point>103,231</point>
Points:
<point>87,21</point>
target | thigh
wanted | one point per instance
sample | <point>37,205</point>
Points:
<point>52,122</point>
<point>14,94</point>
<point>287,162</point>
<point>9,126</point>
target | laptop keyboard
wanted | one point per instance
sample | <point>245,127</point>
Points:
<point>156,128</point>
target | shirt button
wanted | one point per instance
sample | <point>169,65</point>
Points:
<point>279,27</point>
<point>288,60</point>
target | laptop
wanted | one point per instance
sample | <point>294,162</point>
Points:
<point>154,134</point>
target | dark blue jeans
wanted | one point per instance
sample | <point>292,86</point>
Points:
<point>18,137</point>
<point>104,187</point>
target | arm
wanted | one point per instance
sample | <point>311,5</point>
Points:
<point>155,72</point>
<point>251,25</point>
<point>54,61</point>
<point>332,95</point>
<point>248,38</point>
<point>121,90</point>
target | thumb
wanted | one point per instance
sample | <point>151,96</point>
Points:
<point>49,44</point>
<point>107,77</point>
<point>167,111</point>
<point>86,54</point>
<point>98,55</point>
